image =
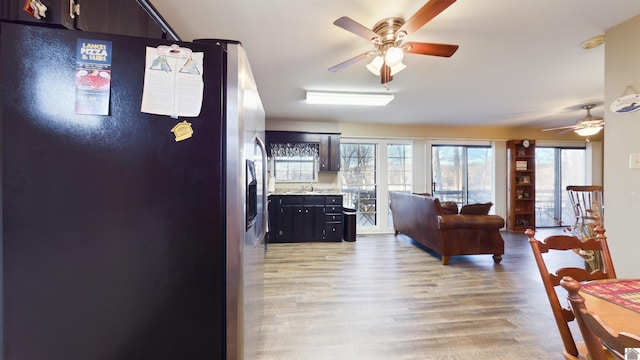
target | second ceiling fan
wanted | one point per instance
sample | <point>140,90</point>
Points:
<point>587,126</point>
<point>388,36</point>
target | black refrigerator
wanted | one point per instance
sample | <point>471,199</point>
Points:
<point>119,240</point>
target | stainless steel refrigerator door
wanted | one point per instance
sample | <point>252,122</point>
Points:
<point>245,246</point>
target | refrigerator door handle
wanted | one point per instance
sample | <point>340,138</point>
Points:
<point>265,215</point>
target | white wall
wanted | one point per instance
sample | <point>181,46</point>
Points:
<point>500,178</point>
<point>622,138</point>
<point>421,172</point>
<point>595,161</point>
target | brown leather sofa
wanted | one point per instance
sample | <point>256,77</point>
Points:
<point>421,218</point>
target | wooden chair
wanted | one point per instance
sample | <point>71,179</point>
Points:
<point>586,202</point>
<point>564,315</point>
<point>596,332</point>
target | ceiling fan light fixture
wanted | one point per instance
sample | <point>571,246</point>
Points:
<point>588,131</point>
<point>592,42</point>
<point>348,98</point>
<point>397,68</point>
<point>393,56</point>
<point>375,65</point>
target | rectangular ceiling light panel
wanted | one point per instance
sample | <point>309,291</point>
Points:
<point>342,98</point>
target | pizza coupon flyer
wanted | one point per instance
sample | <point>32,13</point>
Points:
<point>93,76</point>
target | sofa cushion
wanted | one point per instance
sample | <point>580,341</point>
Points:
<point>476,209</point>
<point>452,222</point>
<point>448,207</point>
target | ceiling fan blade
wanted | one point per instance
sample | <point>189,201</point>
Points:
<point>427,12</point>
<point>593,121</point>
<point>355,27</point>
<point>566,131</point>
<point>346,63</point>
<point>569,127</point>
<point>444,50</point>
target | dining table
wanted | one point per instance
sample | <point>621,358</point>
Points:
<point>620,309</point>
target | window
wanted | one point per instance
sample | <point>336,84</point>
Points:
<point>463,173</point>
<point>556,168</point>
<point>296,168</point>
<point>398,170</point>
<point>295,162</point>
<point>399,167</point>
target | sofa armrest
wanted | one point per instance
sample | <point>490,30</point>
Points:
<point>470,222</point>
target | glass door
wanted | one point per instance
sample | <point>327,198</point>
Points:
<point>556,168</point>
<point>358,183</point>
<point>369,169</point>
<point>462,173</point>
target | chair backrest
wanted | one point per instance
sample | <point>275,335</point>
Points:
<point>563,315</point>
<point>588,206</point>
<point>595,331</point>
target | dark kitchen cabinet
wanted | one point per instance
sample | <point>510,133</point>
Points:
<point>290,220</point>
<point>312,219</point>
<point>305,218</point>
<point>285,218</point>
<point>122,17</point>
<point>329,152</point>
<point>329,145</point>
<point>58,13</point>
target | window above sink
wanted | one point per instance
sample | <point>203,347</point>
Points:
<point>295,162</point>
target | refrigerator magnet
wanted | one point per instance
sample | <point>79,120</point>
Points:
<point>182,131</point>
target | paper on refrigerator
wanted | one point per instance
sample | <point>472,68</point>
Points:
<point>173,82</point>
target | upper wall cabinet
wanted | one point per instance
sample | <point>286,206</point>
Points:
<point>58,13</point>
<point>329,152</point>
<point>122,17</point>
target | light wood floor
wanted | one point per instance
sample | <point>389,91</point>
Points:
<point>382,297</point>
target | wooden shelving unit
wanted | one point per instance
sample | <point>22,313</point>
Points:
<point>521,186</point>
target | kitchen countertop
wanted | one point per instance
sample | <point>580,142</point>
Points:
<point>300,192</point>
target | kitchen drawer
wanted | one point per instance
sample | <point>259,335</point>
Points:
<point>290,199</point>
<point>332,218</point>
<point>333,209</point>
<point>333,232</point>
<point>314,200</point>
<point>334,199</point>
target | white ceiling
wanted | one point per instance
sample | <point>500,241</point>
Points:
<point>519,63</point>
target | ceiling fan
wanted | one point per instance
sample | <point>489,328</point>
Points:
<point>587,126</point>
<point>387,37</point>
